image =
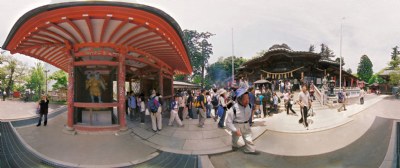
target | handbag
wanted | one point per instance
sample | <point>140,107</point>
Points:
<point>38,110</point>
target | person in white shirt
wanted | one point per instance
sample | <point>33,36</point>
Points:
<point>237,121</point>
<point>174,112</point>
<point>142,107</point>
<point>222,106</point>
<point>305,104</point>
<point>362,95</point>
<point>181,104</point>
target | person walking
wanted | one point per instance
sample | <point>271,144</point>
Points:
<point>181,105</point>
<point>305,104</point>
<point>222,107</point>
<point>252,98</point>
<point>362,95</point>
<point>43,110</point>
<point>262,103</point>
<point>214,103</point>
<point>282,86</point>
<point>155,111</point>
<point>342,98</point>
<point>237,122</point>
<point>174,112</point>
<point>142,107</point>
<point>276,102</point>
<point>189,104</point>
<point>202,108</point>
<point>132,106</point>
<point>290,105</point>
<point>208,104</point>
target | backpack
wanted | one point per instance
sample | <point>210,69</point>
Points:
<point>340,97</point>
<point>197,102</point>
<point>153,105</point>
<point>214,101</point>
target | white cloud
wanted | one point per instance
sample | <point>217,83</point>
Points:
<point>371,27</point>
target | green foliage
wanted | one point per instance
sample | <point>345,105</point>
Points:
<point>221,71</point>
<point>12,72</point>
<point>395,62</point>
<point>200,50</point>
<point>36,82</point>
<point>364,70</point>
<point>180,78</point>
<point>375,79</point>
<point>394,77</point>
<point>395,53</point>
<point>61,79</point>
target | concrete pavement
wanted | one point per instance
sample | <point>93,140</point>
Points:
<point>18,110</point>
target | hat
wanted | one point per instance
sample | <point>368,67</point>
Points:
<point>240,91</point>
<point>221,91</point>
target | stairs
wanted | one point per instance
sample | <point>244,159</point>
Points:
<point>316,105</point>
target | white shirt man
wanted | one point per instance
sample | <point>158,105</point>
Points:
<point>305,104</point>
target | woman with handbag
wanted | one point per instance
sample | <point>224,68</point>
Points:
<point>44,109</point>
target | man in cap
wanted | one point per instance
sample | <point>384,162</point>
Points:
<point>237,121</point>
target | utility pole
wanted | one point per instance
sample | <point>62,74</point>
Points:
<point>233,57</point>
<point>340,64</point>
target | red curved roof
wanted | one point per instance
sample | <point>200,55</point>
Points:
<point>147,33</point>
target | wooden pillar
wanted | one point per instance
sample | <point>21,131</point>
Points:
<point>121,89</point>
<point>172,85</point>
<point>71,89</point>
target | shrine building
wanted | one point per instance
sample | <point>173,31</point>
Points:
<point>107,48</point>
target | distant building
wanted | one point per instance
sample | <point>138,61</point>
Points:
<point>280,62</point>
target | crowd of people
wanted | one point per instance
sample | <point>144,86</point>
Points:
<point>234,108</point>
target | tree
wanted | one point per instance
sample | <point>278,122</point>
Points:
<point>338,60</point>
<point>326,52</point>
<point>260,53</point>
<point>12,72</point>
<point>312,48</point>
<point>36,82</point>
<point>221,71</point>
<point>395,59</point>
<point>364,70</point>
<point>200,51</point>
<point>349,71</point>
<point>394,77</point>
<point>61,79</point>
<point>375,79</point>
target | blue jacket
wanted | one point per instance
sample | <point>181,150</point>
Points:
<point>173,103</point>
<point>132,102</point>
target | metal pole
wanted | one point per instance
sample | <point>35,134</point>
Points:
<point>340,64</point>
<point>233,57</point>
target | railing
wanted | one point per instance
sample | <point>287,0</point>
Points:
<point>318,95</point>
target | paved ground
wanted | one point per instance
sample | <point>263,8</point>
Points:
<point>17,110</point>
<point>363,142</point>
<point>181,146</point>
<point>106,149</point>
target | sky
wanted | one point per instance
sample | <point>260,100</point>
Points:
<point>369,27</point>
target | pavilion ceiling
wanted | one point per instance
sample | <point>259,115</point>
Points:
<point>150,36</point>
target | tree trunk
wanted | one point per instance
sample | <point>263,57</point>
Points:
<point>10,82</point>
<point>202,75</point>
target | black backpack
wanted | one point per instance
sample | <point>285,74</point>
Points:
<point>214,101</point>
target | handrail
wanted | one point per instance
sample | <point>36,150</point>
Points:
<point>318,95</point>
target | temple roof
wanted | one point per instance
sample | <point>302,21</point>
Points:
<point>149,34</point>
